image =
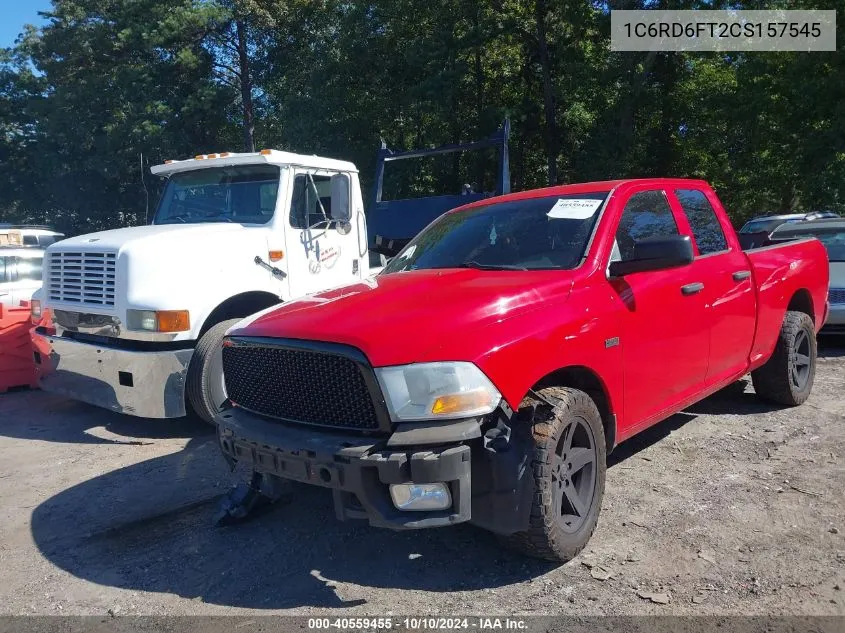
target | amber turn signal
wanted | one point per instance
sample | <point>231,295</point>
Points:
<point>276,255</point>
<point>465,401</point>
<point>173,320</point>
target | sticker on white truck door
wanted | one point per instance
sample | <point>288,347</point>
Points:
<point>330,256</point>
<point>574,209</point>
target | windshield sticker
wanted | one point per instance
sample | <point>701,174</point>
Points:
<point>574,209</point>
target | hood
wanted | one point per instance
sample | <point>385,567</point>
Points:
<point>397,318</point>
<point>179,266</point>
<point>161,233</point>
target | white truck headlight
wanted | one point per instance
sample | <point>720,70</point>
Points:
<point>158,320</point>
<point>432,391</point>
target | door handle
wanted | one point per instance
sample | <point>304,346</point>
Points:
<point>740,275</point>
<point>691,289</point>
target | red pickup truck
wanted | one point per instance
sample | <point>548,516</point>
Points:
<point>487,372</point>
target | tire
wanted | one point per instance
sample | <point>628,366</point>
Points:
<point>787,377</point>
<point>558,528</point>
<point>204,385</point>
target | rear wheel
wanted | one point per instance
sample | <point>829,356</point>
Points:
<point>569,464</point>
<point>787,377</point>
<point>204,386</point>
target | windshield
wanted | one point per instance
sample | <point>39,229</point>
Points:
<point>536,234</point>
<point>754,226</point>
<point>244,194</point>
<point>833,239</point>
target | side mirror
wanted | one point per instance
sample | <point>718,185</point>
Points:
<point>341,211</point>
<point>656,253</point>
<point>343,227</point>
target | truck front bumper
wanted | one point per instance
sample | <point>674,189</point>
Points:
<point>148,384</point>
<point>359,470</point>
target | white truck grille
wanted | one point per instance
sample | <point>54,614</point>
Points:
<point>86,278</point>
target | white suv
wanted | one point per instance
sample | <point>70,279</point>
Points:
<point>28,235</point>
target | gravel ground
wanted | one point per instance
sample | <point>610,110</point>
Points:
<point>731,507</point>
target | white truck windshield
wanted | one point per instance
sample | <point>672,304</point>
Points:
<point>533,234</point>
<point>244,194</point>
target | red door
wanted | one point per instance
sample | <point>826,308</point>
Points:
<point>664,331</point>
<point>728,291</point>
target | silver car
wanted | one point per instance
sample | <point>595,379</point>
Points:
<point>831,233</point>
<point>20,274</point>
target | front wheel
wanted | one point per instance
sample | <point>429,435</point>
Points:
<point>204,386</point>
<point>569,464</point>
<point>787,377</point>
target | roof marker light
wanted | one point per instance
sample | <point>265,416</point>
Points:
<point>266,152</point>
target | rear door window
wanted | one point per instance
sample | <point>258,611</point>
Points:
<point>708,233</point>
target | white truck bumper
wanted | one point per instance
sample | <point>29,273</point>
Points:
<point>148,384</point>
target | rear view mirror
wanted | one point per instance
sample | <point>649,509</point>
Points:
<point>655,253</point>
<point>340,198</point>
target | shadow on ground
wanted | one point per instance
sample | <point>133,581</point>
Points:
<point>832,346</point>
<point>148,527</point>
<point>71,422</point>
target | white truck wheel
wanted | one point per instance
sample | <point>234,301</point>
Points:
<point>204,386</point>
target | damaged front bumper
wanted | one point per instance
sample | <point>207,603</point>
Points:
<point>486,463</point>
<point>358,469</point>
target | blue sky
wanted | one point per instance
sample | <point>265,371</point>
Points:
<point>15,13</point>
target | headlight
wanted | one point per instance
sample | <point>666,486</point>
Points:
<point>158,320</point>
<point>431,391</point>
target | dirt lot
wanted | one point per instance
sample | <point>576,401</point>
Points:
<point>732,507</point>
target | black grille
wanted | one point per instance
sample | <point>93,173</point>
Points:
<point>299,385</point>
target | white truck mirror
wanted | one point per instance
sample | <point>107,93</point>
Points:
<point>341,211</point>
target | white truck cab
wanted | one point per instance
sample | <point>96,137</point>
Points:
<point>139,313</point>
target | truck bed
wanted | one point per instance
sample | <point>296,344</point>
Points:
<point>779,272</point>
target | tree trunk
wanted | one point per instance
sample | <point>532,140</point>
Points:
<point>636,85</point>
<point>787,199</point>
<point>479,98</point>
<point>549,109</point>
<point>246,87</point>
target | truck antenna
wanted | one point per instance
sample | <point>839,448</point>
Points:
<point>146,192</point>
